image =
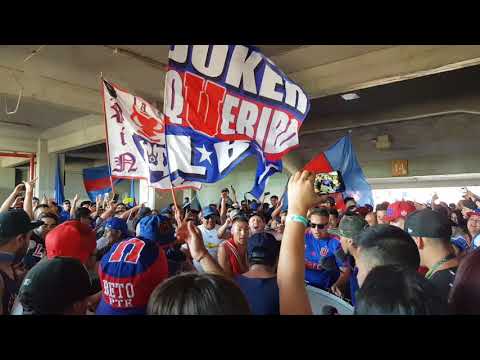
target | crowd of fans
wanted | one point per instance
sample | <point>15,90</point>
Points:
<point>231,257</point>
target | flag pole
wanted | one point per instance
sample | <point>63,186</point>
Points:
<point>102,91</point>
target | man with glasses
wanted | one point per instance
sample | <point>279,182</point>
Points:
<point>322,268</point>
<point>36,247</point>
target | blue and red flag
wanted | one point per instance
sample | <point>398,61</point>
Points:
<point>342,157</point>
<point>97,181</point>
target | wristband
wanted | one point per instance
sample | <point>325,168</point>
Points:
<point>298,218</point>
<point>202,257</point>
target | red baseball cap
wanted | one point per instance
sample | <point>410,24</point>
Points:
<point>399,209</point>
<point>71,239</point>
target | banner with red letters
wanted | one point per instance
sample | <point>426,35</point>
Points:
<point>224,103</point>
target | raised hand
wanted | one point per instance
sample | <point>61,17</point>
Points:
<point>194,241</point>
<point>30,185</point>
<point>19,188</point>
<point>301,195</point>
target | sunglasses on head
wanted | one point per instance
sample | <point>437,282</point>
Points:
<point>318,226</point>
<point>208,217</point>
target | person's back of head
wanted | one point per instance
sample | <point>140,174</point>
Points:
<point>395,290</point>
<point>263,249</point>
<point>465,294</point>
<point>56,286</point>
<point>81,212</point>
<point>198,294</point>
<point>385,245</point>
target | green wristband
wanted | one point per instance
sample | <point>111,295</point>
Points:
<point>298,218</point>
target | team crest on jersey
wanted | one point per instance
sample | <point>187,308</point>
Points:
<point>324,251</point>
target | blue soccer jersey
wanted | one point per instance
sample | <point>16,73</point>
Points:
<point>315,250</point>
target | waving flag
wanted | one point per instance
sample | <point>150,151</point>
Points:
<point>97,181</point>
<point>341,156</point>
<point>224,103</point>
<point>137,145</point>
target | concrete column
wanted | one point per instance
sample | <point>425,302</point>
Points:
<point>157,199</point>
<point>45,170</point>
<point>146,194</point>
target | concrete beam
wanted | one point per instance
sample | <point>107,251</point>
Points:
<point>385,66</point>
<point>79,139</point>
<point>17,144</point>
<point>466,103</point>
<point>13,162</point>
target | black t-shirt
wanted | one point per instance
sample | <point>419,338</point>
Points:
<point>443,281</point>
<point>36,250</point>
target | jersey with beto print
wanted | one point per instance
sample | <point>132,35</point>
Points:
<point>315,250</point>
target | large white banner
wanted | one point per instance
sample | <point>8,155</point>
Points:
<point>137,145</point>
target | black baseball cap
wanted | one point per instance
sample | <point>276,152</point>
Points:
<point>53,285</point>
<point>428,223</point>
<point>16,222</point>
<point>350,226</point>
<point>263,246</point>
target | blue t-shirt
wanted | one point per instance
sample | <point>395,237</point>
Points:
<point>262,294</point>
<point>63,216</point>
<point>315,250</point>
<point>460,243</point>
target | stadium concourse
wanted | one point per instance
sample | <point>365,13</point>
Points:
<point>87,167</point>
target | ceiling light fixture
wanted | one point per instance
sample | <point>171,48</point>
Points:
<point>350,96</point>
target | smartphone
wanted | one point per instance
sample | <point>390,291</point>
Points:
<point>115,197</point>
<point>329,183</point>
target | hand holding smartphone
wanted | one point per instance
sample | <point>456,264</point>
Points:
<point>329,183</point>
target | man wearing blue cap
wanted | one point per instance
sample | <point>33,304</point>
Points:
<point>209,230</point>
<point>159,229</point>
<point>116,229</point>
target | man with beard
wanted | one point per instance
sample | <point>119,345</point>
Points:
<point>15,232</point>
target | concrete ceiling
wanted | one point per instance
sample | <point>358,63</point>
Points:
<point>62,104</point>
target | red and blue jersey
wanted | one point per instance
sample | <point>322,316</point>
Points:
<point>315,250</point>
<point>128,273</point>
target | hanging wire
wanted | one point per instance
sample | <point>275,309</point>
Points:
<point>20,95</point>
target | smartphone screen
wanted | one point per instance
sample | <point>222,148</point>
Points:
<point>329,183</point>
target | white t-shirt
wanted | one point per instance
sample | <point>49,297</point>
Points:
<point>211,241</point>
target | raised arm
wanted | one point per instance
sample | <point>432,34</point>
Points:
<point>222,229</point>
<point>199,252</point>
<point>234,194</point>
<point>277,210</point>
<point>28,201</point>
<point>291,266</point>
<point>74,207</point>
<point>133,210</point>
<point>223,261</point>
<point>11,198</point>
<point>223,208</point>
<point>108,211</point>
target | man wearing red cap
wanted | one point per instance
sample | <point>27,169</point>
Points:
<point>398,211</point>
<point>72,239</point>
